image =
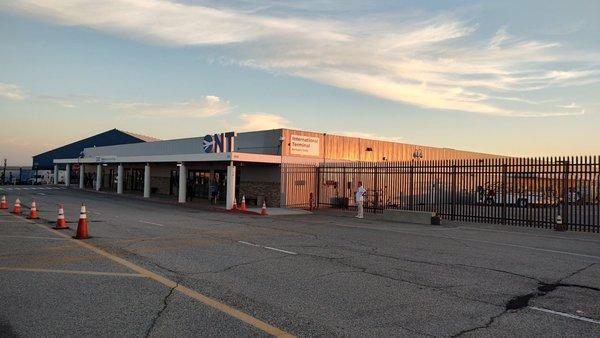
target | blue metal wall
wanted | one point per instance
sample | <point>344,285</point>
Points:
<point>45,160</point>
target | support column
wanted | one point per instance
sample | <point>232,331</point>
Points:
<point>182,183</point>
<point>67,175</point>
<point>212,185</point>
<point>98,177</point>
<point>147,180</point>
<point>55,174</point>
<point>230,186</point>
<point>120,178</point>
<point>81,176</point>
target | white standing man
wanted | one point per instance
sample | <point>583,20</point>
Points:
<point>360,197</point>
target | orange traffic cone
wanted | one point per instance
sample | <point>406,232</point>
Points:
<point>33,214</point>
<point>243,206</point>
<point>263,211</point>
<point>61,222</point>
<point>234,206</point>
<point>3,204</point>
<point>82,225</point>
<point>17,207</point>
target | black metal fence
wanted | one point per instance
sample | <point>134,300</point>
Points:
<point>530,192</point>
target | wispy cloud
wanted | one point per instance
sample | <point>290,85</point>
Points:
<point>207,106</point>
<point>434,62</point>
<point>260,121</point>
<point>571,105</point>
<point>11,92</point>
<point>65,102</point>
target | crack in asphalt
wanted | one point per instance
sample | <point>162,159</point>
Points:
<point>484,326</point>
<point>364,270</point>
<point>238,265</point>
<point>576,272</point>
<point>520,302</point>
<point>160,312</point>
<point>376,254</point>
<point>172,271</point>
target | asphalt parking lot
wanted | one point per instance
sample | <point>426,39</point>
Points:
<point>153,269</point>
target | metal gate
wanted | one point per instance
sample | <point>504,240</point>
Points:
<point>519,191</point>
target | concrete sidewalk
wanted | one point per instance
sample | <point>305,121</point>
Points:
<point>199,204</point>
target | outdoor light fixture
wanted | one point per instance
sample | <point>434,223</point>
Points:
<point>179,164</point>
<point>369,149</point>
<point>418,153</point>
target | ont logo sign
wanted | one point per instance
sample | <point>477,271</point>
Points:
<point>219,143</point>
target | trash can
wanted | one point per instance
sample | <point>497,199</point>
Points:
<point>339,202</point>
<point>260,200</point>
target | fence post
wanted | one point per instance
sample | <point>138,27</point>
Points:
<point>375,190</point>
<point>411,196</point>
<point>565,193</point>
<point>318,180</point>
<point>504,182</point>
<point>345,183</point>
<point>453,193</point>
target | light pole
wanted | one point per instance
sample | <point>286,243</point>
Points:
<point>417,154</point>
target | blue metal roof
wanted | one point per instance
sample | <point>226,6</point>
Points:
<point>44,161</point>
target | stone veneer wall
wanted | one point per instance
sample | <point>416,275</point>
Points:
<point>252,190</point>
<point>162,183</point>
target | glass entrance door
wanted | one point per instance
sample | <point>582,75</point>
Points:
<point>134,180</point>
<point>198,184</point>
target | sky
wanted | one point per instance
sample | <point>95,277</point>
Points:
<point>518,78</point>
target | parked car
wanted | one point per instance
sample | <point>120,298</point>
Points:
<point>531,199</point>
<point>574,196</point>
<point>523,199</point>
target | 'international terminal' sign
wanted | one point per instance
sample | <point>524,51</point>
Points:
<point>305,145</point>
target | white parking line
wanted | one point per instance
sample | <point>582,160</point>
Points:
<point>268,247</point>
<point>284,251</point>
<point>248,243</point>
<point>160,225</point>
<point>568,315</point>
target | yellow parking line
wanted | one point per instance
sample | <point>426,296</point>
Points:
<point>246,318</point>
<point>76,272</point>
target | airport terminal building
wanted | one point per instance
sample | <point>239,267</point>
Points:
<point>228,165</point>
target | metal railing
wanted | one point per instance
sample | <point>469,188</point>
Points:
<point>519,191</point>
